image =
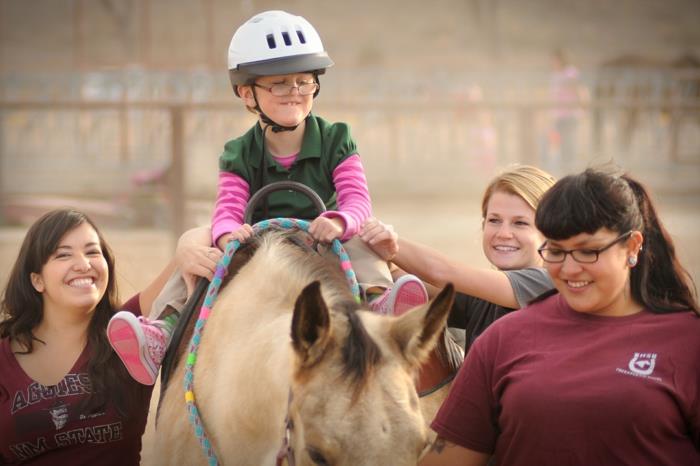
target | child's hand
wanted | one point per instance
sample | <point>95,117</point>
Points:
<point>326,230</point>
<point>381,237</point>
<point>243,233</point>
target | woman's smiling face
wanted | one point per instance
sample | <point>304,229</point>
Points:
<point>601,287</point>
<point>75,276</point>
<point>510,239</point>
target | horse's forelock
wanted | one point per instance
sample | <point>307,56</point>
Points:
<point>359,352</point>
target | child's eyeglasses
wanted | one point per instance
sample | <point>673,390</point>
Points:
<point>281,90</point>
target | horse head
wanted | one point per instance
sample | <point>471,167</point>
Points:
<point>353,399</point>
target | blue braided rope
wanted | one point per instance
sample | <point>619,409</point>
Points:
<point>211,295</point>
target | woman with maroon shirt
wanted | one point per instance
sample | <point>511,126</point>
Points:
<point>65,397</point>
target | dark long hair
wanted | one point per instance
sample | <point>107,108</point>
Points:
<point>594,199</point>
<point>22,307</point>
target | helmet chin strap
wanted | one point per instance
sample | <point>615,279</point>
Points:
<point>276,127</point>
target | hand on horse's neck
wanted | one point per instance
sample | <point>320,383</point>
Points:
<point>285,143</point>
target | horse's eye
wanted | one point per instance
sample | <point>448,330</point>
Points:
<point>317,457</point>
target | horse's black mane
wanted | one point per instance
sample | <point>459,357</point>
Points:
<point>360,352</point>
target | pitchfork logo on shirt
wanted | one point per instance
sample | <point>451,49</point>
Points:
<point>642,363</point>
<point>59,414</point>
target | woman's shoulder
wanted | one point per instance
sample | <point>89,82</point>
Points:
<point>529,283</point>
<point>537,273</point>
<point>518,321</point>
<point>539,311</point>
<point>10,371</point>
<point>5,350</point>
<point>520,329</point>
<point>548,301</point>
<point>133,305</point>
<point>683,321</point>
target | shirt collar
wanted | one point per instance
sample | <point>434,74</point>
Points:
<point>310,145</point>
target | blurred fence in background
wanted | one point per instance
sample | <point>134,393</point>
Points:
<point>134,147</point>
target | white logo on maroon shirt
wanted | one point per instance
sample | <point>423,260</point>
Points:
<point>59,414</point>
<point>642,363</point>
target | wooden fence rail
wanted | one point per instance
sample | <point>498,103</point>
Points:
<point>516,124</point>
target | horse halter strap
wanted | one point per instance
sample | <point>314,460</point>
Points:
<point>205,311</point>
<point>286,451</point>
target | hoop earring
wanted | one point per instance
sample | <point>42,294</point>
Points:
<point>632,261</point>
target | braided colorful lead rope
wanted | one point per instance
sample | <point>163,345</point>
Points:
<point>205,311</point>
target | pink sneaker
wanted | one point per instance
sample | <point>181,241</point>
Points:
<point>140,344</point>
<point>408,292</point>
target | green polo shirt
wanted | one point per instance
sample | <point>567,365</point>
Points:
<point>324,147</point>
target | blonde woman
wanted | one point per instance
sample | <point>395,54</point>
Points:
<point>509,241</point>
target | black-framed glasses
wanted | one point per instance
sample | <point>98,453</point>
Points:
<point>583,256</point>
<point>281,89</point>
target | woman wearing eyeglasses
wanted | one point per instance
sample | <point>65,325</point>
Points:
<point>605,370</point>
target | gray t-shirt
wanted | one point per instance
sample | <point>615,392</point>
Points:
<point>475,314</point>
<point>529,283</point>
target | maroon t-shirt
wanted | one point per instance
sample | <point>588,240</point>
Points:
<point>551,386</point>
<point>42,425</point>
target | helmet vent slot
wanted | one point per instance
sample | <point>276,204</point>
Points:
<point>301,37</point>
<point>287,39</point>
<point>271,41</point>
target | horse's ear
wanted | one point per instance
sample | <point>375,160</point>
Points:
<point>417,331</point>
<point>310,325</point>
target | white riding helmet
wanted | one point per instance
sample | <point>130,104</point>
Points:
<point>275,42</point>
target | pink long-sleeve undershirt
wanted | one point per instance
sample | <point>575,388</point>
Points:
<point>354,203</point>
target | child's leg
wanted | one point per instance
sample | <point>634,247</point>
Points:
<point>371,270</point>
<point>374,277</point>
<point>141,342</point>
<point>171,299</point>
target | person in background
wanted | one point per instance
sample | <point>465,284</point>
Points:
<point>602,370</point>
<point>65,397</point>
<point>509,241</point>
<point>275,60</point>
<point>566,94</point>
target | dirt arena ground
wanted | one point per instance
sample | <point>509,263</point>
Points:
<point>447,225</point>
